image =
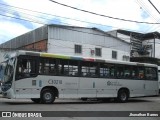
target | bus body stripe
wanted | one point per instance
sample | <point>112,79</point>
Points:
<point>89,59</point>
<point>54,56</point>
<point>32,54</point>
<point>77,58</point>
<point>100,60</point>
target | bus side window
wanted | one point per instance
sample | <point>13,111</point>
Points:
<point>134,72</point>
<point>26,68</point>
<point>89,69</point>
<point>84,69</point>
<point>67,67</point>
<point>150,73</point>
<point>73,68</point>
<point>120,71</point>
<point>112,71</point>
<point>127,72</point>
<point>141,72</point>
<point>104,70</point>
<point>47,66</point>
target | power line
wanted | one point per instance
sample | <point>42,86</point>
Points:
<point>144,7</point>
<point>30,17</point>
<point>154,6</point>
<point>105,34</point>
<point>35,21</point>
<point>101,14</point>
<point>64,17</point>
<point>59,26</point>
<point>22,19</point>
<point>58,16</point>
<point>156,10</point>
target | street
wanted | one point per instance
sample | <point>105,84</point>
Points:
<point>134,104</point>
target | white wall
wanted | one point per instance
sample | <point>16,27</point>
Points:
<point>62,41</point>
<point>67,48</point>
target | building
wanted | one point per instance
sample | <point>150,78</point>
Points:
<point>144,47</point>
<point>71,40</point>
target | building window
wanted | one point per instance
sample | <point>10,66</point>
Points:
<point>114,54</point>
<point>98,52</point>
<point>78,48</point>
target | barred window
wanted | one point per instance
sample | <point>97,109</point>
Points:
<point>114,54</point>
<point>78,48</point>
<point>98,52</point>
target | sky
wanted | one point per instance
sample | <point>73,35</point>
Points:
<point>20,16</point>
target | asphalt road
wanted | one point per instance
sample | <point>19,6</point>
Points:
<point>134,104</point>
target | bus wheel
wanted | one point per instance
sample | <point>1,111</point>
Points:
<point>122,96</point>
<point>36,100</point>
<point>47,96</point>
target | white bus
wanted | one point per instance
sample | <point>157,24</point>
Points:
<point>43,77</point>
<point>159,79</point>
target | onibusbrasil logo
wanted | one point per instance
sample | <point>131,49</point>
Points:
<point>21,114</point>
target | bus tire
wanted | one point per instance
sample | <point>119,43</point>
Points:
<point>36,100</point>
<point>47,96</point>
<point>123,96</point>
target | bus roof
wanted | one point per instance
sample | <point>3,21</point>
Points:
<point>60,56</point>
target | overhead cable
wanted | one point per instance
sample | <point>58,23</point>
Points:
<point>121,19</point>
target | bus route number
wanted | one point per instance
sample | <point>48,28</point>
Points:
<point>55,81</point>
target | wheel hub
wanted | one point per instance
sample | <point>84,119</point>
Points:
<point>48,96</point>
<point>123,96</point>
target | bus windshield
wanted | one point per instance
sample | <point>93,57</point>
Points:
<point>2,67</point>
<point>9,70</point>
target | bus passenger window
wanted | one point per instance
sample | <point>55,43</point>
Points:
<point>127,72</point>
<point>89,69</point>
<point>47,66</point>
<point>112,72</point>
<point>68,67</point>
<point>26,68</point>
<point>150,74</point>
<point>120,71</point>
<point>141,73</point>
<point>104,70</point>
<point>134,72</point>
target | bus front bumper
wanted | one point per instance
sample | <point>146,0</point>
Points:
<point>8,94</point>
